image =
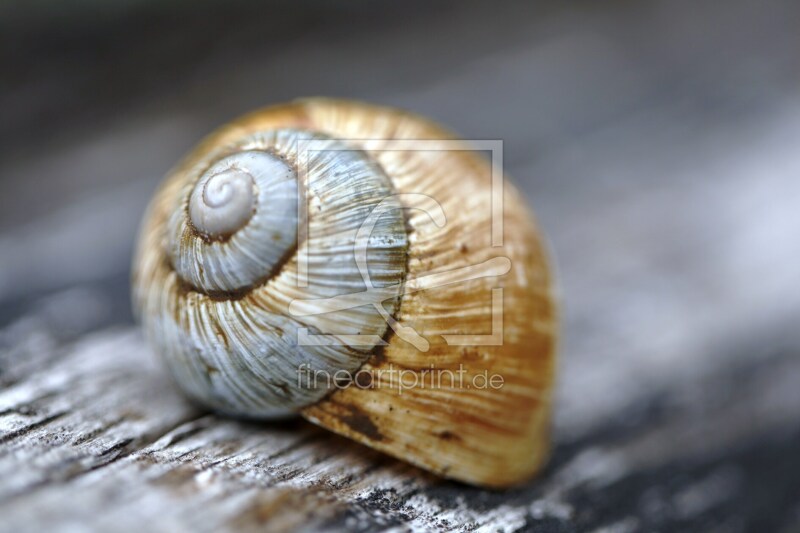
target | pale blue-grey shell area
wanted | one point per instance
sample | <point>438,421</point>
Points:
<point>244,352</point>
<point>237,233</point>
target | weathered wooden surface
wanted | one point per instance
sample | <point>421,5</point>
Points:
<point>658,142</point>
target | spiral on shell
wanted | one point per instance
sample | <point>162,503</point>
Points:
<point>297,238</point>
<point>231,243</point>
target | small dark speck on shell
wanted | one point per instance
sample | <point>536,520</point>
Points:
<point>448,435</point>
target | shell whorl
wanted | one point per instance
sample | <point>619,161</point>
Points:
<point>223,203</point>
<point>240,223</point>
<point>222,254</point>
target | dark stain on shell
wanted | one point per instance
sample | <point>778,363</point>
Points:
<point>363,379</point>
<point>448,435</point>
<point>379,352</point>
<point>359,422</point>
<point>284,389</point>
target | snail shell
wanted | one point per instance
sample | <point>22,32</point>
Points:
<point>297,246</point>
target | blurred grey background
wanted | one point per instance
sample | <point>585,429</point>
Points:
<point>657,141</point>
